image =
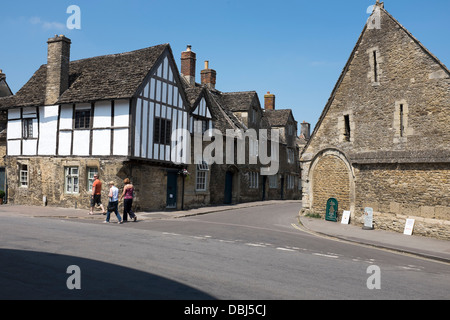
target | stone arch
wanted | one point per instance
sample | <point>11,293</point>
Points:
<point>331,176</point>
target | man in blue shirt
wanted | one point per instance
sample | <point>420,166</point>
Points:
<point>113,202</point>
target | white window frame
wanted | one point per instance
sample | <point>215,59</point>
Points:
<point>23,178</point>
<point>71,180</point>
<point>91,171</point>
<point>201,176</point>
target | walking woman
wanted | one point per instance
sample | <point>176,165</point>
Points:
<point>127,195</point>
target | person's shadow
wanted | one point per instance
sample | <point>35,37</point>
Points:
<point>29,275</point>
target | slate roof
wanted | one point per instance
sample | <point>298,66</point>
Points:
<point>115,76</point>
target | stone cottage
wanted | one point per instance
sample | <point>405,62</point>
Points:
<point>233,111</point>
<point>383,139</point>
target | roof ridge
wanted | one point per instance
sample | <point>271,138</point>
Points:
<point>121,53</point>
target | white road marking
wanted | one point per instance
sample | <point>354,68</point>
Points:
<point>325,255</point>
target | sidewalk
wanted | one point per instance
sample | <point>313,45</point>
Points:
<point>420,246</point>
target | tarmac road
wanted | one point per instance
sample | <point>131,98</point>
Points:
<point>247,253</point>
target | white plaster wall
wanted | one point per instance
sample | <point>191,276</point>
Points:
<point>48,118</point>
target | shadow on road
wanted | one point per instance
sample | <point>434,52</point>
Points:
<point>29,275</point>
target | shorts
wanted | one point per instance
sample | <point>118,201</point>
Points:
<point>96,200</point>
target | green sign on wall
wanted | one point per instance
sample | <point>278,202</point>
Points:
<point>332,210</point>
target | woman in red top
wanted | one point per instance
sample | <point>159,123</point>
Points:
<point>127,195</point>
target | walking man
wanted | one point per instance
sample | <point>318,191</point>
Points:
<point>96,197</point>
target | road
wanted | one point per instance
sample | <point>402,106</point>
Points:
<point>245,254</point>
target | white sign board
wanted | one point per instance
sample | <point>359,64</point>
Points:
<point>345,217</point>
<point>409,226</point>
<point>368,218</point>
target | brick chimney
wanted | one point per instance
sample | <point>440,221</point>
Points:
<point>269,101</point>
<point>58,59</point>
<point>188,61</point>
<point>208,76</point>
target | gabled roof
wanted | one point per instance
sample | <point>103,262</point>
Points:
<point>116,76</point>
<point>352,56</point>
<point>278,118</point>
<point>238,101</point>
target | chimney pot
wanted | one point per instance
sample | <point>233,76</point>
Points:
<point>209,76</point>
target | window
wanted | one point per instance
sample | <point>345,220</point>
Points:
<point>200,126</point>
<point>27,129</point>
<point>162,133</point>
<point>290,129</point>
<point>402,121</point>
<point>253,180</point>
<point>82,119</point>
<point>91,171</point>
<point>71,181</point>
<point>290,156</point>
<point>24,176</point>
<point>202,176</point>
<point>273,182</point>
<point>290,181</point>
<point>347,131</point>
<point>375,66</point>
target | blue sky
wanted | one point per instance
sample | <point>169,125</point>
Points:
<point>294,49</point>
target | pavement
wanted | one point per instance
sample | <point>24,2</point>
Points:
<point>429,248</point>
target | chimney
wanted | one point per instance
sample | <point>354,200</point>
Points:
<point>269,101</point>
<point>2,75</point>
<point>58,60</point>
<point>208,76</point>
<point>305,130</point>
<point>188,61</point>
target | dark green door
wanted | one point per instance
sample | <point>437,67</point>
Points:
<point>172,190</point>
<point>228,187</point>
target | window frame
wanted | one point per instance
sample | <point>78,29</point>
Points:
<point>71,179</point>
<point>162,131</point>
<point>85,115</point>
<point>253,180</point>
<point>23,173</point>
<point>201,177</point>
<point>27,128</point>
<point>90,178</point>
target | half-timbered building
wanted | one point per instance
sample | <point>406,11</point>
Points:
<point>112,115</point>
<point>115,116</point>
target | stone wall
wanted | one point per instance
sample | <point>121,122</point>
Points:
<point>47,178</point>
<point>388,118</point>
<point>331,180</point>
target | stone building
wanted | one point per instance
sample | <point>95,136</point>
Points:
<point>383,139</point>
<point>5,91</point>
<point>235,182</point>
<point>115,116</point>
